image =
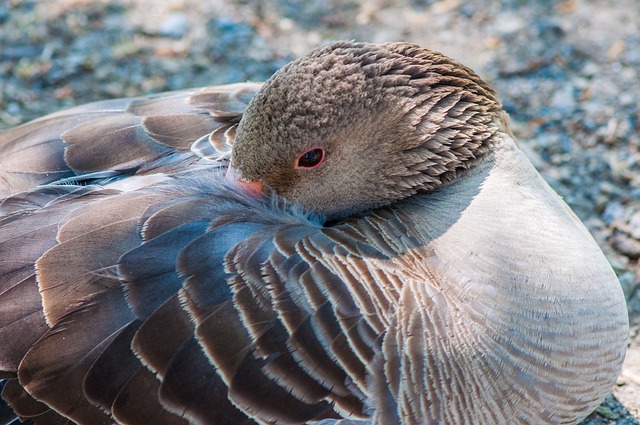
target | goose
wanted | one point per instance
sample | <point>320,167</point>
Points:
<point>359,240</point>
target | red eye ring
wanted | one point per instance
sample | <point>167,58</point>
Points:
<point>311,158</point>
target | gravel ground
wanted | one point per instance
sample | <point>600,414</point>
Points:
<point>567,72</point>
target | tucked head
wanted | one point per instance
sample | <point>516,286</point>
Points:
<point>355,126</point>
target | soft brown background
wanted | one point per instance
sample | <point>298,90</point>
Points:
<point>567,72</point>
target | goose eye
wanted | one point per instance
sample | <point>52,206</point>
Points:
<point>311,158</point>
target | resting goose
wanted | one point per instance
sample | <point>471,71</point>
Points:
<point>379,251</point>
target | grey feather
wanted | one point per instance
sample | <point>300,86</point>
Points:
<point>421,273</point>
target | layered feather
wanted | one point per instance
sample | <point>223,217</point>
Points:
<point>138,286</point>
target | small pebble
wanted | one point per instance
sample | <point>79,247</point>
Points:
<point>634,225</point>
<point>174,25</point>
<point>626,245</point>
<point>564,99</point>
<point>614,211</point>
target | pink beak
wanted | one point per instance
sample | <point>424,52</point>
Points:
<point>252,188</point>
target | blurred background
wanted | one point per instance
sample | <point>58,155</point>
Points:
<point>566,71</point>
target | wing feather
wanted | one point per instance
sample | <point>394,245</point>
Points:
<point>137,402</point>
<point>113,368</point>
<point>161,335</point>
<point>129,136</point>
<point>78,338</point>
<point>180,294</point>
<point>192,388</point>
<point>27,232</point>
<point>21,401</point>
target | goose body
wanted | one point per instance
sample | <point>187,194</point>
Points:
<point>405,265</point>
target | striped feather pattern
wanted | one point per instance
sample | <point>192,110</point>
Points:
<point>137,285</point>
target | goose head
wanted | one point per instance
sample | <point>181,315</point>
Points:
<point>355,126</point>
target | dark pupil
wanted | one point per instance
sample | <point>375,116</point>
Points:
<point>311,158</point>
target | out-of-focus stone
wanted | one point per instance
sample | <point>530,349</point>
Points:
<point>175,25</point>
<point>626,245</point>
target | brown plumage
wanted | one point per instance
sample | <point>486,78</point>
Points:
<point>422,115</point>
<point>407,264</point>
